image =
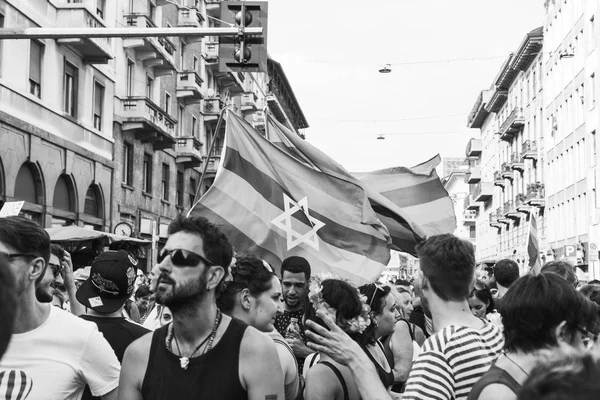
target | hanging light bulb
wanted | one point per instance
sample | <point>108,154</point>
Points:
<point>385,69</point>
<point>380,137</point>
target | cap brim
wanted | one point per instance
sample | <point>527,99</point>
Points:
<point>87,292</point>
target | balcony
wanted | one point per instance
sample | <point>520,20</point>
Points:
<point>474,175</point>
<point>513,123</point>
<point>211,53</point>
<point>189,87</point>
<point>248,103</point>
<point>470,204</point>
<point>148,122</point>
<point>529,150</point>
<point>510,211</point>
<point>211,108</point>
<point>501,218</point>
<point>258,120</point>
<point>483,191</point>
<point>474,148</point>
<point>213,8</point>
<point>535,195</point>
<point>231,81</point>
<point>188,153</point>
<point>498,179</point>
<point>516,163</point>
<point>507,172</point>
<point>189,17</point>
<point>470,217</point>
<point>521,205</point>
<point>77,15</point>
<point>494,221</point>
<point>156,53</point>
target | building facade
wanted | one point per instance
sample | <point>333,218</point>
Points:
<point>113,133</point>
<point>456,184</point>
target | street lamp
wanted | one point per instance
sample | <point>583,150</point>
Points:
<point>385,69</point>
<point>380,137</point>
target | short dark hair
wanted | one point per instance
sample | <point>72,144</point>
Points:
<point>448,263</point>
<point>506,272</point>
<point>592,292</point>
<point>566,373</point>
<point>483,293</point>
<point>594,282</point>
<point>402,282</point>
<point>57,250</point>
<point>249,273</point>
<point>142,291</point>
<point>375,295</point>
<point>534,305</point>
<point>487,268</point>
<point>562,269</point>
<point>8,303</point>
<point>341,296</point>
<point>216,246</point>
<point>296,264</point>
<point>25,236</point>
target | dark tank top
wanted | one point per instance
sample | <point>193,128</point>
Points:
<point>214,375</point>
<point>387,378</point>
<point>494,375</point>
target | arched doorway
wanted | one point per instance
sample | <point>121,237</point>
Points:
<point>64,202</point>
<point>29,188</point>
<point>93,208</point>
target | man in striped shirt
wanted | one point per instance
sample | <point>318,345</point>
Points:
<point>463,347</point>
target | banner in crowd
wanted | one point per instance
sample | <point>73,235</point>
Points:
<point>272,205</point>
<point>404,227</point>
<point>533,248</point>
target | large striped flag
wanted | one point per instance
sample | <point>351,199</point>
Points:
<point>270,204</point>
<point>404,228</point>
<point>533,248</point>
<point>420,194</point>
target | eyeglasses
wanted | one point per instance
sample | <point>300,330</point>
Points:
<point>377,287</point>
<point>183,258</point>
<point>56,269</point>
<point>589,339</point>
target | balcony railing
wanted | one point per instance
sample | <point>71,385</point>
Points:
<point>149,122</point>
<point>521,203</point>
<point>516,163</point>
<point>512,124</point>
<point>211,52</point>
<point>494,220</point>
<point>474,175</point>
<point>535,195</point>
<point>507,171</point>
<point>248,102</point>
<point>188,152</point>
<point>510,210</point>
<point>474,148</point>
<point>155,52</point>
<point>212,106</point>
<point>483,191</point>
<point>470,217</point>
<point>471,204</point>
<point>529,150</point>
<point>76,15</point>
<point>189,86</point>
<point>189,17</point>
<point>501,217</point>
<point>499,179</point>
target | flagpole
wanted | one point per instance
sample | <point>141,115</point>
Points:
<point>208,155</point>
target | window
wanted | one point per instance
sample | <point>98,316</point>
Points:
<point>180,121</point>
<point>100,8</point>
<point>35,68</point>
<point>70,89</point>
<point>151,10</point>
<point>130,75</point>
<point>127,163</point>
<point>592,89</point>
<point>182,55</point>
<point>147,173</point>
<point>165,182</point>
<point>594,144</point>
<point>167,103</point>
<point>195,64</point>
<point>149,86</point>
<point>179,190</point>
<point>194,122</point>
<point>192,193</point>
<point>98,105</point>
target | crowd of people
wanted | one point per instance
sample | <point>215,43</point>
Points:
<point>211,323</point>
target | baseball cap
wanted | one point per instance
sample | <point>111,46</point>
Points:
<point>111,282</point>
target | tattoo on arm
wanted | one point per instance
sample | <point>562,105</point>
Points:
<point>271,397</point>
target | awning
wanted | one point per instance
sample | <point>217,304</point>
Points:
<point>74,233</point>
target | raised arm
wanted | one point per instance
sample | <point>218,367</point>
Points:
<point>69,281</point>
<point>260,370</point>
<point>339,346</point>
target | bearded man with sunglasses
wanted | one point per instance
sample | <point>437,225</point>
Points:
<point>52,353</point>
<point>202,354</point>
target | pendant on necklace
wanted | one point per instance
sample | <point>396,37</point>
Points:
<point>184,362</point>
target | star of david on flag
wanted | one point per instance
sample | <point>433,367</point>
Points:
<point>284,222</point>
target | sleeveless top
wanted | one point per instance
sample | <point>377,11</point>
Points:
<point>295,387</point>
<point>214,375</point>
<point>387,378</point>
<point>339,376</point>
<point>494,375</point>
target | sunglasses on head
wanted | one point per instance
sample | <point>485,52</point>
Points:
<point>377,287</point>
<point>183,258</point>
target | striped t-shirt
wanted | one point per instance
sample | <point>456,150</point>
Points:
<point>452,360</point>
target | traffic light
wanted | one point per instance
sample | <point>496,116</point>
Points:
<point>242,52</point>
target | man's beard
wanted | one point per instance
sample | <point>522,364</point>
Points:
<point>43,293</point>
<point>180,296</point>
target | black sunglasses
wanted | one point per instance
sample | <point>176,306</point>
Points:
<point>56,269</point>
<point>183,258</point>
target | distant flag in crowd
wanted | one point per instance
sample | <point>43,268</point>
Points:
<point>533,248</point>
<point>403,225</point>
<point>419,192</point>
<point>272,205</point>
